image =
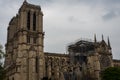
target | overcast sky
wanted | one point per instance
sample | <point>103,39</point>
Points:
<point>66,21</point>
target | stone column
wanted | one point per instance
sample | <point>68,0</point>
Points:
<point>40,23</point>
<point>49,70</point>
<point>23,19</point>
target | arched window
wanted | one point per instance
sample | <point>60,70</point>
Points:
<point>13,78</point>
<point>36,66</point>
<point>28,20</point>
<point>34,21</point>
<point>28,39</point>
<point>34,40</point>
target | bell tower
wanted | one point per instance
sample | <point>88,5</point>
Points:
<point>25,42</point>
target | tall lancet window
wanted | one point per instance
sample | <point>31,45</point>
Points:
<point>28,20</point>
<point>34,21</point>
<point>36,66</point>
<point>13,78</point>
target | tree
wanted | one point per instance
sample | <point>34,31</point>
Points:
<point>2,73</point>
<point>111,73</point>
<point>1,54</point>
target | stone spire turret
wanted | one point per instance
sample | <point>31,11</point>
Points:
<point>95,40</point>
<point>109,46</point>
<point>25,2</point>
<point>102,37</point>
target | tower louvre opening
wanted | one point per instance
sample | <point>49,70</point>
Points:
<point>34,21</point>
<point>28,20</point>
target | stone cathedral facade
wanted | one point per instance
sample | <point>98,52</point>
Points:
<point>26,60</point>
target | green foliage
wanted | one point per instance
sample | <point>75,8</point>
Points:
<point>1,52</point>
<point>111,73</point>
<point>1,55</point>
<point>2,73</point>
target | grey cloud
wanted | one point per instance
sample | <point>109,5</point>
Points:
<point>92,2</point>
<point>109,15</point>
<point>72,19</point>
<point>111,1</point>
<point>88,2</point>
<point>107,2</point>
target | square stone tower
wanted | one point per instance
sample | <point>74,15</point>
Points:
<point>24,58</point>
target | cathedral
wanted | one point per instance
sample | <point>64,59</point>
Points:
<point>26,60</point>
